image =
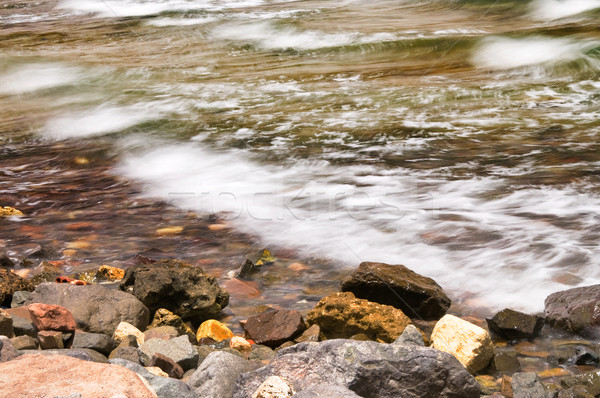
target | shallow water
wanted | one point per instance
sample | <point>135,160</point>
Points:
<point>456,137</point>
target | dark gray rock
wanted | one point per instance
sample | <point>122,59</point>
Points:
<point>19,298</point>
<point>585,356</point>
<point>528,385</point>
<point>25,343</point>
<point>165,387</point>
<point>23,326</point>
<point>96,341</point>
<point>416,295</point>
<point>370,369</point>
<point>178,349</point>
<point>177,286</point>
<point>326,391</point>
<point>84,354</point>
<point>215,377</point>
<point>274,327</point>
<point>410,336</point>
<point>96,309</point>
<point>7,350</point>
<point>575,309</point>
<point>514,325</point>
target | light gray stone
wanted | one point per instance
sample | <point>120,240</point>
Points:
<point>178,349</point>
<point>410,336</point>
<point>326,391</point>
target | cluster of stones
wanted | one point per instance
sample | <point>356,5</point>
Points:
<point>385,334</point>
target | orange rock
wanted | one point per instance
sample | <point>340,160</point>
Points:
<point>79,244</point>
<point>239,289</point>
<point>69,252</point>
<point>80,226</point>
<point>217,227</point>
<point>213,329</point>
<point>298,267</point>
<point>111,273</point>
<point>169,230</point>
<point>555,372</point>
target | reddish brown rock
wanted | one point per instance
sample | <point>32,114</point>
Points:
<point>52,317</point>
<point>50,339</point>
<point>274,327</point>
<point>575,309</point>
<point>167,365</point>
<point>33,376</point>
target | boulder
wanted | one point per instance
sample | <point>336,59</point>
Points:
<point>131,354</point>
<point>25,343</point>
<point>469,343</point>
<point>326,391</point>
<point>9,284</point>
<point>41,376</point>
<point>163,386</point>
<point>50,339</point>
<point>274,387</point>
<point>410,336</point>
<point>514,325</point>
<point>125,329</point>
<point>416,295</point>
<point>588,382</point>
<point>167,365</point>
<point>178,349</point>
<point>51,317</point>
<point>177,286</point>
<point>95,341</point>
<point>575,309</point>
<point>96,309</point>
<point>84,354</point>
<point>370,369</point>
<point>6,324</point>
<point>528,385</point>
<point>213,329</point>
<point>215,377</point>
<point>341,315</point>
<point>7,350</point>
<point>164,317</point>
<point>274,327</point>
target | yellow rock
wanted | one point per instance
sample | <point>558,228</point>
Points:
<point>79,244</point>
<point>69,252</point>
<point>169,231</point>
<point>111,273</point>
<point>80,160</point>
<point>469,343</point>
<point>240,344</point>
<point>217,227</point>
<point>125,329</point>
<point>155,370</point>
<point>10,211</point>
<point>265,257</point>
<point>555,372</point>
<point>213,329</point>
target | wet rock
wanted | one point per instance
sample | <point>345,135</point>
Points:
<point>416,295</point>
<point>506,363</point>
<point>6,262</point>
<point>170,367</point>
<point>587,382</point>
<point>45,272</point>
<point>274,387</point>
<point>125,329</point>
<point>575,309</point>
<point>469,343</point>
<point>178,349</point>
<point>51,317</point>
<point>254,262</point>
<point>177,286</point>
<point>326,391</point>
<point>368,368</point>
<point>274,327</point>
<point>9,284</point>
<point>7,350</point>
<point>241,290</point>
<point>131,354</point>
<point>19,298</point>
<point>25,343</point>
<point>41,375</point>
<point>164,387</point>
<point>161,332</point>
<point>410,336</point>
<point>528,385</point>
<point>213,329</point>
<point>109,273</point>
<point>310,334</point>
<point>164,317</point>
<point>50,339</point>
<point>6,324</point>
<point>95,341</point>
<point>216,376</point>
<point>10,211</point>
<point>96,309</point>
<point>514,325</point>
<point>341,315</point>
<point>585,356</point>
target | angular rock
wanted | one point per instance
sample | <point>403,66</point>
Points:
<point>164,317</point>
<point>25,343</point>
<point>326,391</point>
<point>469,343</point>
<point>9,284</point>
<point>107,272</point>
<point>177,286</point>
<point>274,327</point>
<point>19,298</point>
<point>125,329</point>
<point>574,309</point>
<point>161,332</point>
<point>95,341</point>
<point>23,326</point>
<point>274,387</point>
<point>240,344</point>
<point>163,386</point>
<point>43,376</point>
<point>588,382</point>
<point>506,363</point>
<point>50,339</point>
<point>410,336</point>
<point>213,329</point>
<point>585,356</point>
<point>368,368</point>
<point>131,354</point>
<point>178,349</point>
<point>528,385</point>
<point>51,317</point>
<point>310,334</point>
<point>416,295</point>
<point>341,315</point>
<point>514,325</point>
<point>167,365</point>
<point>7,350</point>
<point>96,309</point>
<point>215,377</point>
<point>6,324</point>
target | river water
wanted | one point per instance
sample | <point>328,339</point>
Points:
<point>456,137</point>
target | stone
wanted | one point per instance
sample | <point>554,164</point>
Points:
<point>216,376</point>
<point>127,329</point>
<point>585,356</point>
<point>83,354</point>
<point>528,385</point>
<point>242,290</point>
<point>95,341</point>
<point>274,327</point>
<point>416,295</point>
<point>19,298</point>
<point>10,211</point>
<point>469,343</point>
<point>254,262</point>
<point>341,315</point>
<point>203,351</point>
<point>326,391</point>
<point>506,363</point>
<point>25,343</point>
<point>575,309</point>
<point>261,353</point>
<point>310,334</point>
<point>240,344</point>
<point>164,387</point>
<point>410,336</point>
<point>6,262</point>
<point>6,324</point>
<point>107,272</point>
<point>177,286</point>
<point>274,387</point>
<point>7,350</point>
<point>51,317</point>
<point>23,326</point>
<point>178,349</point>
<point>164,317</point>
<point>213,329</point>
<point>50,339</point>
<point>368,368</point>
<point>155,370</point>
<point>9,284</point>
<point>131,354</point>
<point>44,376</point>
<point>588,382</point>
<point>162,332</point>
<point>95,308</point>
<point>514,325</point>
<point>170,367</point>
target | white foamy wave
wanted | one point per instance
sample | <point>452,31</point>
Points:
<point>162,22</point>
<point>35,77</point>
<point>505,251</point>
<point>556,9</point>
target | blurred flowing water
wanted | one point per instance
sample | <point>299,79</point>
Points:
<point>457,137</point>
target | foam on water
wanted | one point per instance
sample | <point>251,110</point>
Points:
<point>34,77</point>
<point>556,9</point>
<point>161,22</point>
<point>505,250</point>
